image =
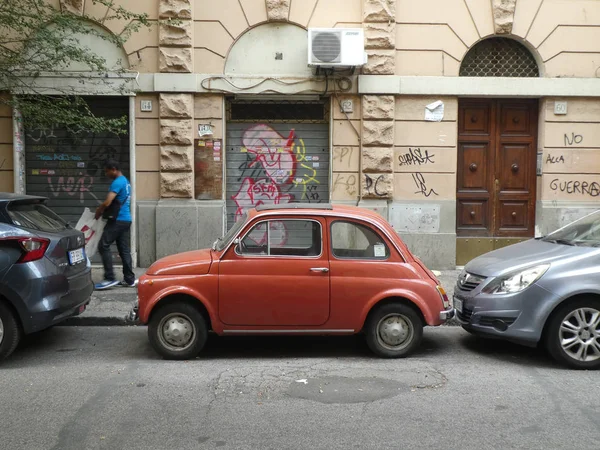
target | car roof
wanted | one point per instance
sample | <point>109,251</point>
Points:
<point>11,197</point>
<point>320,209</point>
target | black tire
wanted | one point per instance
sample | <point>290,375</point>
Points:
<point>188,318</point>
<point>397,312</point>
<point>552,335</point>
<point>11,331</point>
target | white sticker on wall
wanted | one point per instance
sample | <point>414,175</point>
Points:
<point>379,250</point>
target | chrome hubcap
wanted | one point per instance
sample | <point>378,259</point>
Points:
<point>394,331</point>
<point>1,331</point>
<point>177,331</point>
<point>579,334</point>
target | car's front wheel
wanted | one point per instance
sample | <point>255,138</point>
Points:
<point>10,331</point>
<point>394,330</point>
<point>573,334</point>
<point>177,331</point>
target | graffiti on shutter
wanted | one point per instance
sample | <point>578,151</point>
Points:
<point>275,163</point>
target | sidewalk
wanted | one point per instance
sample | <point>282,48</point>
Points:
<point>109,307</point>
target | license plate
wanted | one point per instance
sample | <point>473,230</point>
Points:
<point>76,256</point>
<point>458,304</point>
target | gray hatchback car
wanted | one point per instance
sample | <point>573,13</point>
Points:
<point>545,290</point>
<point>45,275</point>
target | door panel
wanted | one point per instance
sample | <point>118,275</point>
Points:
<point>474,170</point>
<point>496,169</point>
<point>514,168</point>
<point>475,119</point>
<point>513,216</point>
<point>276,281</point>
<point>473,217</point>
<point>515,120</point>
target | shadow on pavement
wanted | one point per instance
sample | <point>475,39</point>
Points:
<point>508,352</point>
<point>254,347</point>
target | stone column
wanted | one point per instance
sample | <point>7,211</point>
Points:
<point>177,226</point>
<point>378,111</point>
<point>176,110</point>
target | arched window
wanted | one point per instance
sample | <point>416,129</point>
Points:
<point>499,57</point>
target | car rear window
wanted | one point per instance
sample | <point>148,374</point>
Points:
<point>35,216</point>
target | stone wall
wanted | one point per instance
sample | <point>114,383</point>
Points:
<point>378,111</point>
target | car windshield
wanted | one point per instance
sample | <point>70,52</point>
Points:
<point>224,241</point>
<point>585,231</point>
<point>35,216</point>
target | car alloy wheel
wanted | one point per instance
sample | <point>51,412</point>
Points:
<point>1,331</point>
<point>176,331</point>
<point>579,334</point>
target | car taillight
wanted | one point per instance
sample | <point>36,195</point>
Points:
<point>33,248</point>
<point>444,296</point>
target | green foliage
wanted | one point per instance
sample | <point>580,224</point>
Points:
<point>37,39</point>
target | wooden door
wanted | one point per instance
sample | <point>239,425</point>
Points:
<point>497,157</point>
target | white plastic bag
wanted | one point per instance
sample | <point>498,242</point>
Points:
<point>92,229</point>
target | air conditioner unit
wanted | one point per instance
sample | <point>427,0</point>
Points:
<point>336,47</point>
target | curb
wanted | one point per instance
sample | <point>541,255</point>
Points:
<point>108,321</point>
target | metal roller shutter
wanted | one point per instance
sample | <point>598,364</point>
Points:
<point>276,162</point>
<point>67,167</point>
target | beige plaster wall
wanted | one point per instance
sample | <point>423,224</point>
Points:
<point>217,28</point>
<point>571,150</point>
<point>432,36</point>
<point>345,160</point>
<point>147,150</point>
<point>425,152</point>
<point>141,47</point>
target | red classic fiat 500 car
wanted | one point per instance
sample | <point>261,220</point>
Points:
<point>294,269</point>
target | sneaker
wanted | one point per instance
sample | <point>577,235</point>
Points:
<point>126,284</point>
<point>106,284</point>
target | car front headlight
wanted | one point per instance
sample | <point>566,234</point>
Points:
<point>516,282</point>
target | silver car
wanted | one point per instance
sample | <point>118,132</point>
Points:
<point>542,291</point>
<point>45,275</point>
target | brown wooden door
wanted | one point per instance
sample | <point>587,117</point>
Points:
<point>497,157</point>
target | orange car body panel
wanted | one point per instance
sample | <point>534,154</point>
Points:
<point>275,294</point>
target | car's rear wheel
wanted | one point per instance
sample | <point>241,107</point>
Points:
<point>177,331</point>
<point>394,330</point>
<point>573,334</point>
<point>10,331</point>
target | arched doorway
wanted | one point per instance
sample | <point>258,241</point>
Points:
<point>497,154</point>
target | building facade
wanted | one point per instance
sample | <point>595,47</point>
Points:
<point>474,124</point>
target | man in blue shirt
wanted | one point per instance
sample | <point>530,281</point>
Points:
<point>117,227</point>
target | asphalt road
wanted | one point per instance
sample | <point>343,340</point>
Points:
<point>104,388</point>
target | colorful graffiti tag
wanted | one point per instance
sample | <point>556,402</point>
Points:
<point>277,168</point>
<point>279,158</point>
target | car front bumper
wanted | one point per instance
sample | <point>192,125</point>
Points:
<point>447,314</point>
<point>516,317</point>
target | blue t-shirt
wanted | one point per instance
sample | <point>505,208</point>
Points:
<point>122,188</point>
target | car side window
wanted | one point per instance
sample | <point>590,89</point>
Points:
<point>283,238</point>
<point>354,241</point>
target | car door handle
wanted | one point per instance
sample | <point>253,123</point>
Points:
<point>319,269</point>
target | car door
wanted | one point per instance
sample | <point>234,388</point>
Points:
<point>277,275</point>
